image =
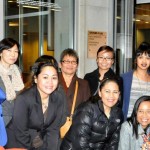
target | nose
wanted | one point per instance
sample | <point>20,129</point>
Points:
<point>12,53</point>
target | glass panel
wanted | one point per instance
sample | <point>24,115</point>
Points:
<point>142,23</point>
<point>124,34</point>
<point>11,7</point>
<point>30,42</point>
<point>40,26</point>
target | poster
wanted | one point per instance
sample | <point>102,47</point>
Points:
<point>96,39</point>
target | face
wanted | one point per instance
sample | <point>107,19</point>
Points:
<point>47,81</point>
<point>143,62</point>
<point>9,56</point>
<point>143,114</point>
<point>109,94</point>
<point>105,60</point>
<point>69,65</point>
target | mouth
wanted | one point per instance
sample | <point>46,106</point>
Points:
<point>144,120</point>
<point>144,65</point>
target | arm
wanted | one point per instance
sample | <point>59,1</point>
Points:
<point>113,142</point>
<point>53,132</point>
<point>125,133</point>
<point>81,128</point>
<point>20,121</point>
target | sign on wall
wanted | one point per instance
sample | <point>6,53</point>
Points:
<point>96,39</point>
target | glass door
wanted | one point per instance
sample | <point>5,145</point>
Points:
<point>41,27</point>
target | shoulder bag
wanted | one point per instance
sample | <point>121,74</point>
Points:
<point>64,129</point>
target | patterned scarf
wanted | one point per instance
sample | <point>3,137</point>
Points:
<point>12,81</point>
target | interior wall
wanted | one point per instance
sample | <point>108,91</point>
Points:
<point>95,15</point>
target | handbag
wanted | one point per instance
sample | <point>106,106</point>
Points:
<point>64,129</point>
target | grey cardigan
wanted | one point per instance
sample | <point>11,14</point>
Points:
<point>127,140</point>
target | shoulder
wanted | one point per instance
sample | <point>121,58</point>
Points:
<point>87,107</point>
<point>27,94</point>
<point>118,114</point>
<point>59,94</point>
<point>82,82</point>
<point>127,74</point>
<point>17,68</point>
<point>126,127</point>
<point>93,73</point>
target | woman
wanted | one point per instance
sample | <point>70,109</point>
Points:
<point>38,112</point>
<point>67,77</point>
<point>135,132</point>
<point>136,82</point>
<point>105,60</point>
<point>10,77</point>
<point>96,123</point>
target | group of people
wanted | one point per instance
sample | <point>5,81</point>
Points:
<point>111,112</point>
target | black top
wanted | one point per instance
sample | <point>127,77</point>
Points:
<point>92,130</point>
<point>28,120</point>
<point>93,79</point>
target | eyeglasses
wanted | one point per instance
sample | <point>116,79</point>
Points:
<point>106,58</point>
<point>68,62</point>
<point>142,112</point>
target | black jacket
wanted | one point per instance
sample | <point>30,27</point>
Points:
<point>28,120</point>
<point>93,79</point>
<point>92,130</point>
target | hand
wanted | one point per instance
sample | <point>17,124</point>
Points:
<point>146,146</point>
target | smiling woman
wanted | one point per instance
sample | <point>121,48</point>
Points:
<point>137,127</point>
<point>136,82</point>
<point>41,107</point>
<point>96,123</point>
<point>10,76</point>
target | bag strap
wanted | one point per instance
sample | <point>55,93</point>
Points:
<point>74,98</point>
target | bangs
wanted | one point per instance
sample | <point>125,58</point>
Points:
<point>147,53</point>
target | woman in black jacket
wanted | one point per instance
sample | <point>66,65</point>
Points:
<point>96,123</point>
<point>38,112</point>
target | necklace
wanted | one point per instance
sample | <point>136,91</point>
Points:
<point>45,105</point>
<point>143,90</point>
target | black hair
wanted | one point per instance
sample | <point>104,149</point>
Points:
<point>133,119</point>
<point>107,49</point>
<point>69,52</point>
<point>8,43</point>
<point>107,80</point>
<point>144,48</point>
<point>47,58</point>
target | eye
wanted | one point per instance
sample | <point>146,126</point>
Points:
<point>107,91</point>
<point>140,57</point>
<point>148,112</point>
<point>140,112</point>
<point>108,59</point>
<point>55,78</point>
<point>116,92</point>
<point>45,77</point>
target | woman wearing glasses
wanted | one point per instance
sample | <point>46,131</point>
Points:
<point>69,64</point>
<point>105,60</point>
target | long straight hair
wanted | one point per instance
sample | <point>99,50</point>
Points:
<point>133,119</point>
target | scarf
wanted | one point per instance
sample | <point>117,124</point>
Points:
<point>12,81</point>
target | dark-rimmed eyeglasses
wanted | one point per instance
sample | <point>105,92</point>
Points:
<point>68,62</point>
<point>104,58</point>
